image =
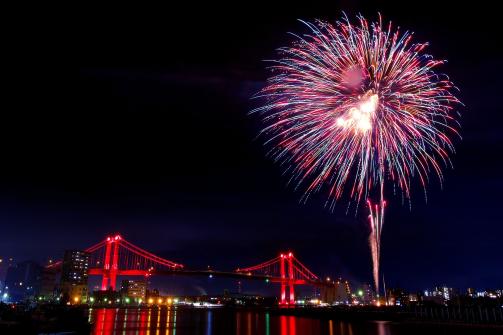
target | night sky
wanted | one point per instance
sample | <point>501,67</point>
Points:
<point>139,124</point>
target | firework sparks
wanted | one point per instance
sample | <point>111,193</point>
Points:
<point>354,106</point>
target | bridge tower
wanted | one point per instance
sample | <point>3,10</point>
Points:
<point>287,281</point>
<point>291,278</point>
<point>110,266</point>
<point>287,271</point>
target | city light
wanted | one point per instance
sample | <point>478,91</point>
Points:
<point>285,271</point>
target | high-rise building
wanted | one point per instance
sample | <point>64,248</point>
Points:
<point>134,289</point>
<point>75,267</point>
<point>22,281</point>
<point>74,275</point>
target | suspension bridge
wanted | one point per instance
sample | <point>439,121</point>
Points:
<point>115,256</point>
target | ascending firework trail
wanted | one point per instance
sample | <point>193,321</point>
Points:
<point>352,107</point>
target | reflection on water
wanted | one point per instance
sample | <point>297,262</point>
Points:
<point>180,321</point>
<point>175,321</point>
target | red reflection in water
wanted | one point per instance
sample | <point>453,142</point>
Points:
<point>143,322</point>
<point>163,321</point>
<point>105,322</point>
<point>287,325</point>
<point>292,325</point>
<point>99,320</point>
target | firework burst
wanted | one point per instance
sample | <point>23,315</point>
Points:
<point>351,107</point>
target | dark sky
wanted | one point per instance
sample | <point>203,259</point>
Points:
<point>138,124</point>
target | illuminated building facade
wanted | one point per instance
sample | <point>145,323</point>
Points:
<point>134,289</point>
<point>74,276</point>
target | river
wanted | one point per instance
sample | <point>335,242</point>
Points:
<point>182,321</point>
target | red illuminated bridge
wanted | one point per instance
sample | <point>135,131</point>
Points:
<point>115,256</point>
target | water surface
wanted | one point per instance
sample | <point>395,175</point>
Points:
<point>181,321</point>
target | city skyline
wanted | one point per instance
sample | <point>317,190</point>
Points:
<point>114,259</point>
<point>75,266</point>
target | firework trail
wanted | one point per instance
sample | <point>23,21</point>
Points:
<point>351,107</point>
<point>376,218</point>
